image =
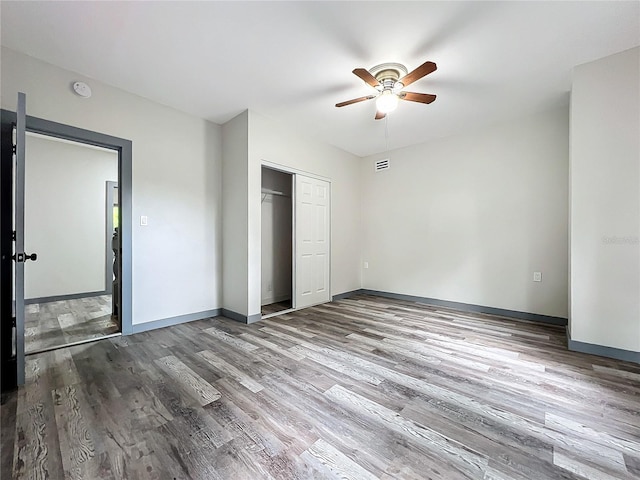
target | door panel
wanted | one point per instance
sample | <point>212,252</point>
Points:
<point>312,233</point>
<point>7,332</point>
<point>321,223</point>
<point>19,236</point>
<point>321,273</point>
<point>305,275</point>
<point>305,219</point>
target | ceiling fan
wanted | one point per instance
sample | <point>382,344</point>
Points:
<point>390,79</point>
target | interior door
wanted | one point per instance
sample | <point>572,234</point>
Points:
<point>312,234</point>
<point>19,256</point>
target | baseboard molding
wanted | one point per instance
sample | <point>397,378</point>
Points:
<point>602,351</point>
<point>59,298</point>
<point>238,317</point>
<point>464,307</point>
<point>573,345</point>
<point>168,322</point>
<point>352,293</point>
<point>278,299</point>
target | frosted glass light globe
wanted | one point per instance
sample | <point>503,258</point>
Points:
<point>387,102</point>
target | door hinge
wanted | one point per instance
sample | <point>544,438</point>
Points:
<point>13,236</point>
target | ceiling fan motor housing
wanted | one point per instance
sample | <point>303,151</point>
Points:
<point>387,74</point>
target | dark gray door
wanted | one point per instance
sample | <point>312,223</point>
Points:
<point>18,226</point>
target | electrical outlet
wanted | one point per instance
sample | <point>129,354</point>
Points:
<point>537,276</point>
<point>366,265</point>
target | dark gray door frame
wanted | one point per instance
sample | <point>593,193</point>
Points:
<point>124,149</point>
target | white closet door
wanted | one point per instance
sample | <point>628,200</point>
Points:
<point>312,231</point>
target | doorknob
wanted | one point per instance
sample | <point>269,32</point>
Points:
<point>23,257</point>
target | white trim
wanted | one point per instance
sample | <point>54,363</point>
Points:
<point>293,241</point>
<point>330,239</point>
<point>275,314</point>
<point>294,171</point>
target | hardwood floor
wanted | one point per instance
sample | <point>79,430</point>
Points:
<point>53,324</point>
<point>362,388</point>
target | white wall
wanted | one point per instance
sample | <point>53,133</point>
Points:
<point>277,235</point>
<point>176,182</point>
<point>65,224</point>
<point>605,202</point>
<point>273,143</point>
<point>235,158</point>
<point>470,218</point>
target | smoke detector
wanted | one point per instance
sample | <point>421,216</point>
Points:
<point>82,89</point>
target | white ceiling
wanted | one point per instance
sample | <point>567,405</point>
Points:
<point>292,61</point>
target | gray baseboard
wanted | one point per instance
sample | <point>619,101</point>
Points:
<point>464,307</point>
<point>238,317</point>
<point>59,298</point>
<point>190,317</point>
<point>352,293</point>
<point>168,322</point>
<point>602,351</point>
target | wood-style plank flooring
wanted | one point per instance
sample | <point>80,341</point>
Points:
<point>362,388</point>
<point>53,324</point>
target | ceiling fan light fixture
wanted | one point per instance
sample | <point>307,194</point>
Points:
<point>389,79</point>
<point>387,102</point>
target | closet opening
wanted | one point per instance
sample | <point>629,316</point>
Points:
<point>276,242</point>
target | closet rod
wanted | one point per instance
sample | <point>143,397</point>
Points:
<point>267,191</point>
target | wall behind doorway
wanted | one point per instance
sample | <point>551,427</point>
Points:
<point>65,216</point>
<point>176,184</point>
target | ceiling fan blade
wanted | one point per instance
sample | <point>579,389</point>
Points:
<point>380,115</point>
<point>425,69</point>
<point>355,100</point>
<point>417,97</point>
<point>367,77</point>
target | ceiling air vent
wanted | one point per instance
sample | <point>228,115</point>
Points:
<point>382,165</point>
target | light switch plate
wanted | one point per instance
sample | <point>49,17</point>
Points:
<point>537,276</point>
<point>144,221</point>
